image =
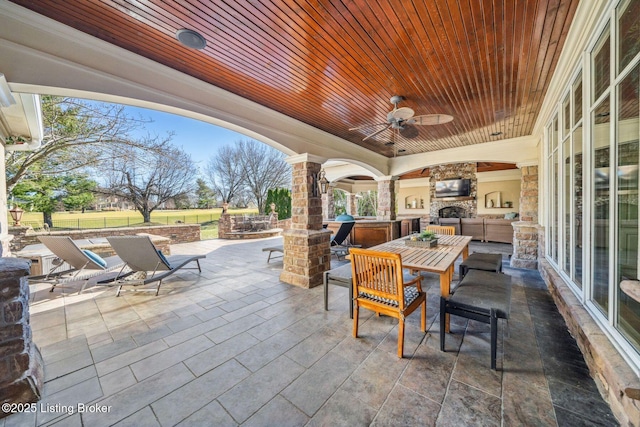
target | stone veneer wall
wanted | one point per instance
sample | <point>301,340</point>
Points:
<point>453,171</point>
<point>353,204</point>
<point>386,200</point>
<point>307,252</point>
<point>179,233</point>
<point>21,372</point>
<point>328,205</point>
<point>525,240</point>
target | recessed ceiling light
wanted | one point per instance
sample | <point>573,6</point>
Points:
<point>389,144</point>
<point>496,133</point>
<point>402,150</point>
<point>191,38</point>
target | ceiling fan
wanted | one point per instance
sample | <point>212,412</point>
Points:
<point>403,120</point>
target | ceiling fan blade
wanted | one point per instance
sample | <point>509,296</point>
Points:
<point>430,119</point>
<point>368,126</point>
<point>402,113</point>
<point>377,132</point>
<point>409,132</point>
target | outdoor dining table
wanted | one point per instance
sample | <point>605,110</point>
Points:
<point>439,259</point>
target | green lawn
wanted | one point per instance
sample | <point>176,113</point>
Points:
<point>207,218</point>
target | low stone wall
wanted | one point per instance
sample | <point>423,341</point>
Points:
<point>179,233</point>
<point>21,367</point>
<point>231,226</point>
<point>617,382</point>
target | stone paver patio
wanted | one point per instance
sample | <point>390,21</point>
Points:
<point>235,346</point>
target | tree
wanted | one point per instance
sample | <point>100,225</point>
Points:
<point>149,177</point>
<point>77,134</point>
<point>45,193</point>
<point>225,173</point>
<point>339,202</point>
<point>281,197</point>
<point>80,193</point>
<point>248,166</point>
<point>367,203</point>
<point>263,168</point>
<point>205,195</point>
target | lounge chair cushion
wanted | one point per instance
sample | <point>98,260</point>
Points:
<point>95,258</point>
<point>410,294</point>
<point>163,258</point>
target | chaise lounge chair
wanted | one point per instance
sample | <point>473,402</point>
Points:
<point>85,265</point>
<point>339,242</point>
<point>142,257</point>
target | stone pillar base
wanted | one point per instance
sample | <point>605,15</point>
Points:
<point>306,257</point>
<point>525,245</point>
<point>21,372</point>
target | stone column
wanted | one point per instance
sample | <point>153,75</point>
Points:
<point>525,231</point>
<point>328,205</point>
<point>352,204</point>
<point>306,244</point>
<point>21,373</point>
<point>386,198</point>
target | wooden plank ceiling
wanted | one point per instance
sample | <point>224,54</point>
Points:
<point>335,64</point>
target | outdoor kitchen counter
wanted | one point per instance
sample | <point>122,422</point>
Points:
<point>371,232</point>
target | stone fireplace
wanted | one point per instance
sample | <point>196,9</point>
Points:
<point>452,212</point>
<point>454,207</point>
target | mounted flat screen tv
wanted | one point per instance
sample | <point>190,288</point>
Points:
<point>453,188</point>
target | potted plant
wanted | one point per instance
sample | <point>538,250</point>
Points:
<point>426,239</point>
<point>13,140</point>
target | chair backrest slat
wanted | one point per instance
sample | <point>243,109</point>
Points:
<point>377,274</point>
<point>441,229</point>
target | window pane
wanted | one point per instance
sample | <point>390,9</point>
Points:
<point>554,231</point>
<point>600,65</point>
<point>600,267</point>
<point>577,100</point>
<point>577,204</point>
<point>629,32</point>
<point>567,197</point>
<point>566,117</point>
<point>627,175</point>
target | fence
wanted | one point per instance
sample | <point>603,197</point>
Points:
<point>107,222</point>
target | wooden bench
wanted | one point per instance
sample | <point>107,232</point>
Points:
<point>483,296</point>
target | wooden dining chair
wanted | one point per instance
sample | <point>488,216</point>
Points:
<point>441,229</point>
<point>379,285</point>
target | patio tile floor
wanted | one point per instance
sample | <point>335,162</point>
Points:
<point>235,346</point>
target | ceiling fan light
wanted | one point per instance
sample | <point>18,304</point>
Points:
<point>191,39</point>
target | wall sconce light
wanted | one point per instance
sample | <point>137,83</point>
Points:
<point>16,215</point>
<point>323,183</point>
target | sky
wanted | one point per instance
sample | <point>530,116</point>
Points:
<point>197,138</point>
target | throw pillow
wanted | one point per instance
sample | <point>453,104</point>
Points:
<point>163,258</point>
<point>95,258</point>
